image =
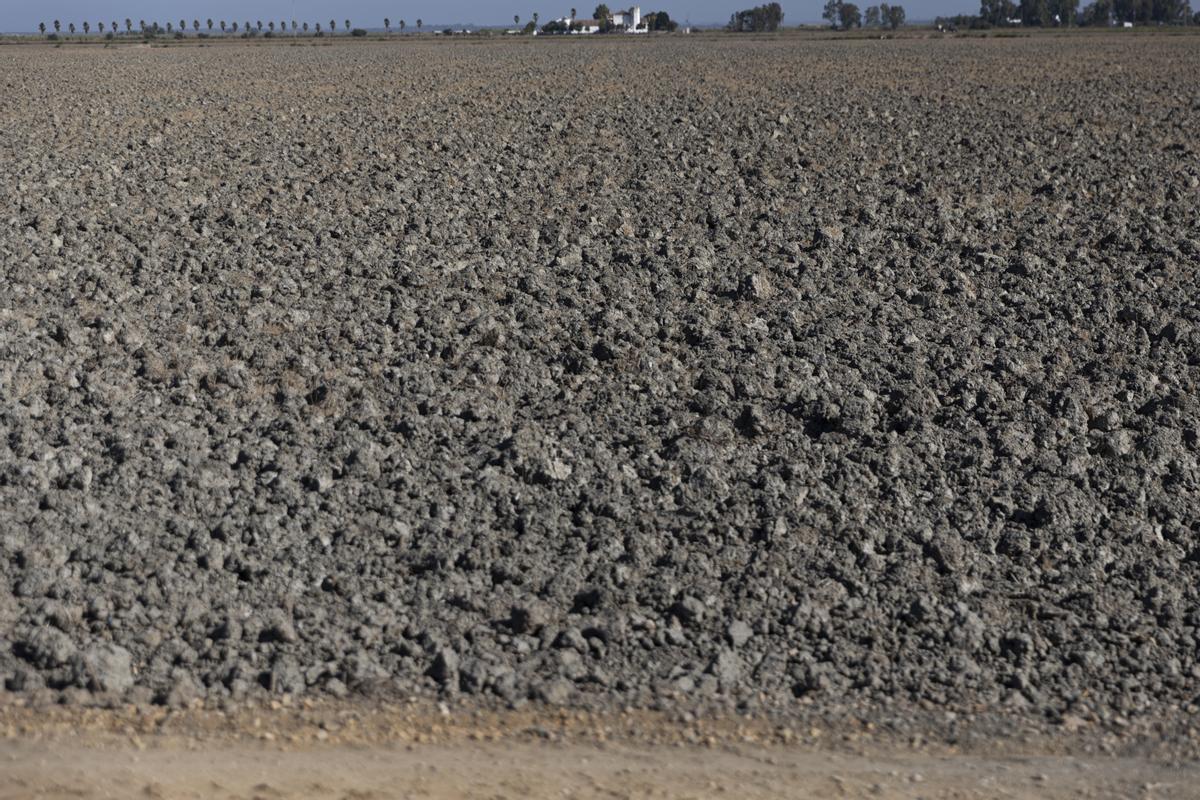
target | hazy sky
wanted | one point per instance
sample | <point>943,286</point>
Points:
<point>24,15</point>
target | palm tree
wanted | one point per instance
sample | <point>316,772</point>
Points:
<point>282,26</point>
<point>235,28</point>
<point>246,27</point>
<point>183,25</point>
<point>271,27</point>
<point>306,27</point>
<point>403,25</point>
<point>332,26</point>
<point>57,26</point>
<point>114,27</point>
<point>87,28</point>
<point>169,24</point>
<point>222,27</point>
<point>209,23</point>
<point>142,25</point>
<point>572,15</point>
<point>347,28</point>
<point>294,27</point>
<point>196,26</point>
<point>128,25</point>
<point>42,28</point>
<point>71,28</point>
<point>387,26</point>
<point>100,27</point>
<point>260,26</point>
<point>318,29</point>
<point>535,19</point>
<point>419,23</point>
<point>517,20</point>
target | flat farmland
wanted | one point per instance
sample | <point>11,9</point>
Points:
<point>794,377</point>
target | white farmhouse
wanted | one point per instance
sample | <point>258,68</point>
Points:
<point>630,21</point>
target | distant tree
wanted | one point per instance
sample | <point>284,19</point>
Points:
<point>849,16</point>
<point>347,25</point>
<point>1034,13</point>
<point>258,25</point>
<point>760,18</point>
<point>318,30</point>
<point>128,25</point>
<point>387,26</point>
<point>169,27</point>
<point>114,27</point>
<point>997,12</point>
<point>573,13</point>
<point>222,27</point>
<point>209,23</point>
<point>517,20</point>
<point>87,27</point>
<point>183,25</point>
<point>57,26</point>
<point>306,27</point>
<point>100,27</point>
<point>294,27</point>
<point>895,17</point>
<point>246,27</point>
<point>234,26</point>
<point>832,13</point>
<point>661,21</point>
<point>271,26</point>
<point>419,24</point>
<point>42,28</point>
<point>71,27</point>
<point>872,17</point>
<point>333,26</point>
<point>282,26</point>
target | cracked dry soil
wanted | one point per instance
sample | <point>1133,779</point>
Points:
<point>781,376</point>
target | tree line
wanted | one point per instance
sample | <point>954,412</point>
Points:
<point>210,27</point>
<point>847,16</point>
<point>1051,13</point>
<point>759,19</point>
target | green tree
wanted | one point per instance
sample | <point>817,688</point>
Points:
<point>997,12</point>
<point>872,17</point>
<point>57,26</point>
<point>222,27</point>
<point>387,26</point>
<point>87,27</point>
<point>333,26</point>
<point>1035,13</point>
<point>760,18</point>
<point>403,25</point>
<point>209,23</point>
<point>42,28</point>
<point>306,27</point>
<point>895,17</point>
<point>419,24</point>
<point>832,13</point>
<point>128,25</point>
<point>347,25</point>
<point>849,16</point>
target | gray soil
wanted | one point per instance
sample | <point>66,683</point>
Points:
<point>777,376</point>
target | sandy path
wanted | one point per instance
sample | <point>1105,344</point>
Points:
<point>548,770</point>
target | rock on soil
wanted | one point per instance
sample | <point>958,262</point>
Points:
<point>740,372</point>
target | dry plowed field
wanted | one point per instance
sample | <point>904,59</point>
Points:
<point>788,378</point>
